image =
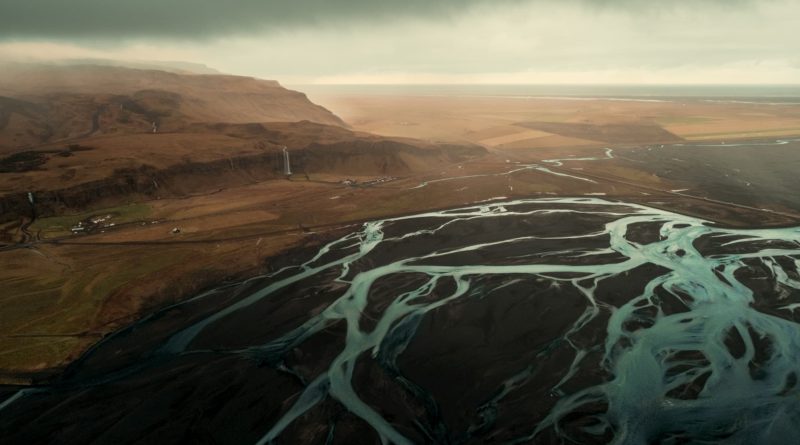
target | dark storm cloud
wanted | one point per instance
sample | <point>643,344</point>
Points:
<point>199,19</point>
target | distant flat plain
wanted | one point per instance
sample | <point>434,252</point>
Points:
<point>491,115</point>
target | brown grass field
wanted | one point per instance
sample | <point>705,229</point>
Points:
<point>493,121</point>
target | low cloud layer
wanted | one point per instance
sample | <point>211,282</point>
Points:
<point>424,41</point>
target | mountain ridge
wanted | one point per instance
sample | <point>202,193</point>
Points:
<point>42,104</point>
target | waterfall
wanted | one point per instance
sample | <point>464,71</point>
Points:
<point>287,169</point>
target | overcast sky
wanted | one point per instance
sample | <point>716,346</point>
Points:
<point>425,41</point>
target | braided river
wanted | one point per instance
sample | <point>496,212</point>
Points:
<point>558,320</point>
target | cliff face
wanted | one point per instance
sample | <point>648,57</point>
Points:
<point>146,182</point>
<point>41,104</point>
<point>314,148</point>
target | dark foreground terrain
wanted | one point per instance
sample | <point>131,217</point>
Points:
<point>757,173</point>
<point>562,320</point>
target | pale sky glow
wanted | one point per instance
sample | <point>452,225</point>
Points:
<point>488,42</point>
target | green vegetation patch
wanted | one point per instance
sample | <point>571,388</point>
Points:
<point>60,225</point>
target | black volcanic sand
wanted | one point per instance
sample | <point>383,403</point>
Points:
<point>487,367</point>
<point>752,173</point>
